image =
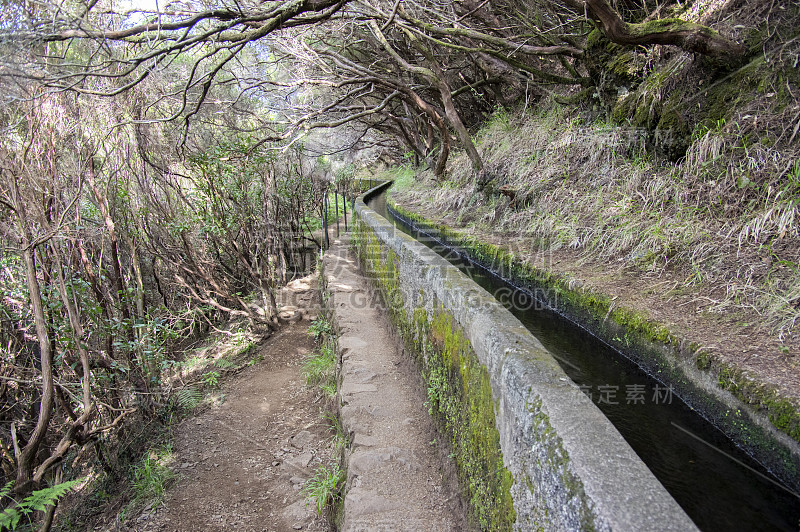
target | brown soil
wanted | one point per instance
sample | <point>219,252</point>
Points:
<point>738,336</point>
<point>242,463</point>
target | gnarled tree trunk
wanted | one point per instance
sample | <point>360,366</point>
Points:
<point>672,31</point>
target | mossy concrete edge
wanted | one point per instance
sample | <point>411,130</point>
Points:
<point>571,469</point>
<point>753,414</point>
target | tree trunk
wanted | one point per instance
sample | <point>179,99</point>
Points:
<point>26,455</point>
<point>446,94</point>
<point>455,120</point>
<point>137,270</point>
<point>673,31</point>
<point>94,282</point>
<point>119,284</point>
<point>79,424</point>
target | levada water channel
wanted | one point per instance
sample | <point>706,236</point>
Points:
<point>718,485</point>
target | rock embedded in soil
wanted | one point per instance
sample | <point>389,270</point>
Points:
<point>301,439</point>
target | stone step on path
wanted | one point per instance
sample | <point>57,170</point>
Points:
<point>396,478</point>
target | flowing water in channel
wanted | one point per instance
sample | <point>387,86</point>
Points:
<point>718,485</point>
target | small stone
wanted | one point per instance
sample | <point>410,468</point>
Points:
<point>297,526</point>
<point>301,460</point>
<point>301,439</point>
<point>276,463</point>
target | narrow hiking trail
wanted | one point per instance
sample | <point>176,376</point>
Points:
<point>242,463</point>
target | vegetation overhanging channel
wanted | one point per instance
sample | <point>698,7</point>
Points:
<point>167,167</point>
<point>718,484</point>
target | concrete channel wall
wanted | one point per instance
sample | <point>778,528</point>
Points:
<point>563,466</point>
<point>753,414</point>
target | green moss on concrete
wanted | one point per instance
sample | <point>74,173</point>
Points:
<point>556,459</point>
<point>784,415</point>
<point>460,396</point>
<point>781,412</point>
<point>459,391</point>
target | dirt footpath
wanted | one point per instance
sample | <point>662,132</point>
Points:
<point>242,463</point>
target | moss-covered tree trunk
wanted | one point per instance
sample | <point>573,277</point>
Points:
<point>672,31</point>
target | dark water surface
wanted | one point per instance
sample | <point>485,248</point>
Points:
<point>718,485</point>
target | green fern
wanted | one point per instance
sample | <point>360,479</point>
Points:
<point>211,379</point>
<point>224,363</point>
<point>38,501</point>
<point>189,398</point>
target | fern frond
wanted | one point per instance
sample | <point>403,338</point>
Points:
<point>189,398</point>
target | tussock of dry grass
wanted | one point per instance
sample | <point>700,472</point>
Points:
<point>726,217</point>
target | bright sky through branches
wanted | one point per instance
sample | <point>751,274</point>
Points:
<point>141,5</point>
<point>137,10</point>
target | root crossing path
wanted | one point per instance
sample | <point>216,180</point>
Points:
<point>398,474</point>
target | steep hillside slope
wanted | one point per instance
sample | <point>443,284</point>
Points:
<point>673,187</point>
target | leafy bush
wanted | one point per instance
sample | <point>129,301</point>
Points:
<point>320,327</point>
